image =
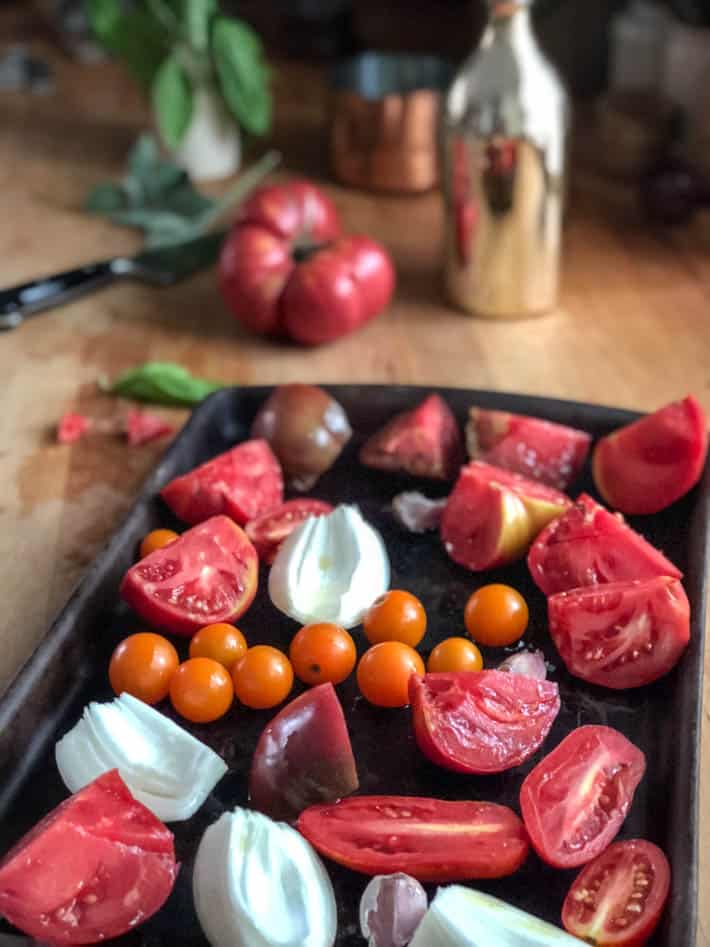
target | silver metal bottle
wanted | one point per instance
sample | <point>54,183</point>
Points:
<point>504,150</point>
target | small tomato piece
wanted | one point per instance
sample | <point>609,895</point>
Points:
<point>269,531</point>
<point>157,539</point>
<point>496,615</point>
<point>395,616</point>
<point>72,427</point>
<point>322,652</point>
<point>142,427</point>
<point>263,678</point>
<point>201,690</point>
<point>224,643</point>
<point>455,654</point>
<point>384,671</point>
<point>143,665</point>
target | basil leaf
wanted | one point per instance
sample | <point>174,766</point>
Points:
<point>172,101</point>
<point>242,74</point>
<point>131,36</point>
<point>161,383</point>
<point>196,16</point>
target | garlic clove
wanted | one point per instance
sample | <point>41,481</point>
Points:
<point>391,908</point>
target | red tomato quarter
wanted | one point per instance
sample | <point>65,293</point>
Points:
<point>647,465</point>
<point>208,575</point>
<point>588,545</point>
<point>423,442</point>
<point>429,839</point>
<point>617,900</point>
<point>92,869</point>
<point>575,800</point>
<point>242,483</point>
<point>481,721</point>
<point>541,450</point>
<point>267,532</point>
<point>493,515</point>
<point>623,634</point>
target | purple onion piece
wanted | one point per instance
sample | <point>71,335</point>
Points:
<point>391,908</point>
<point>527,663</point>
<point>417,513</point>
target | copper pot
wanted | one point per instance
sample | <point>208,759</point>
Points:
<point>384,118</point>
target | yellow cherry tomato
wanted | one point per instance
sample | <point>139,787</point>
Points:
<point>201,690</point>
<point>143,665</point>
<point>496,615</point>
<point>455,654</point>
<point>222,642</point>
<point>384,671</point>
<point>395,616</point>
<point>156,540</point>
<point>322,652</point>
<point>263,678</point>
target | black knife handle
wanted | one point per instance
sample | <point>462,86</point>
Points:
<point>28,298</point>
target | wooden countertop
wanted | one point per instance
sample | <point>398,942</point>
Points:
<point>633,330</point>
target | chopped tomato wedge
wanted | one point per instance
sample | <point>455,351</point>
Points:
<point>622,634</point>
<point>92,869</point>
<point>617,900</point>
<point>142,427</point>
<point>72,427</point>
<point>645,466</point>
<point>423,442</point>
<point>268,531</point>
<point>575,800</point>
<point>208,574</point>
<point>588,545</point>
<point>541,450</point>
<point>242,483</point>
<point>429,839</point>
<point>481,721</point>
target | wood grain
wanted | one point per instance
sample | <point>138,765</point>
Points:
<point>632,330</point>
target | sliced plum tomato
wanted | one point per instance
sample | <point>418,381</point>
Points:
<point>395,616</point>
<point>423,442</point>
<point>645,466</point>
<point>208,575</point>
<point>143,665</point>
<point>617,900</point>
<point>588,545</point>
<point>493,515</point>
<point>429,839</point>
<point>303,757</point>
<point>541,450</point>
<point>496,615</point>
<point>322,652</point>
<point>384,671</point>
<point>201,690</point>
<point>622,634</point>
<point>263,678</point>
<point>454,654</point>
<point>222,642</point>
<point>576,798</point>
<point>156,539</point>
<point>481,721</point>
<point>242,483</point>
<point>92,869</point>
<point>267,532</point>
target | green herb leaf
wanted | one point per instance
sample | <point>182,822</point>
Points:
<point>242,73</point>
<point>197,16</point>
<point>105,199</point>
<point>172,101</point>
<point>161,383</point>
<point>132,36</point>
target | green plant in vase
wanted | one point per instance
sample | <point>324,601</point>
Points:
<point>205,73</point>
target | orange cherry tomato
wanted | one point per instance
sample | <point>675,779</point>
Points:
<point>395,616</point>
<point>455,654</point>
<point>222,642</point>
<point>384,671</point>
<point>496,615</point>
<point>322,652</point>
<point>143,665</point>
<point>201,690</point>
<point>263,678</point>
<point>156,540</point>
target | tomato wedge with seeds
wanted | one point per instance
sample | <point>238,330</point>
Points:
<point>575,800</point>
<point>622,634</point>
<point>268,531</point>
<point>429,839</point>
<point>241,483</point>
<point>617,900</point>
<point>208,574</point>
<point>481,721</point>
<point>588,545</point>
<point>645,466</point>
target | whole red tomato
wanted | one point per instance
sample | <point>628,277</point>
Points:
<point>286,269</point>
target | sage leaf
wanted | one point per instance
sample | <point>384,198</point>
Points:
<point>161,383</point>
<point>243,77</point>
<point>172,101</point>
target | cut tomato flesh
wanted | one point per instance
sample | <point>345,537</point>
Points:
<point>268,532</point>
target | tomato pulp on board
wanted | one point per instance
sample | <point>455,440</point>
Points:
<point>242,483</point>
<point>617,900</point>
<point>575,800</point>
<point>541,450</point>
<point>588,545</point>
<point>269,530</point>
<point>429,839</point>
<point>423,442</point>
<point>93,868</point>
<point>622,634</point>
<point>303,757</point>
<point>208,575</point>
<point>493,515</point>
<point>481,721</point>
<point>645,466</point>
